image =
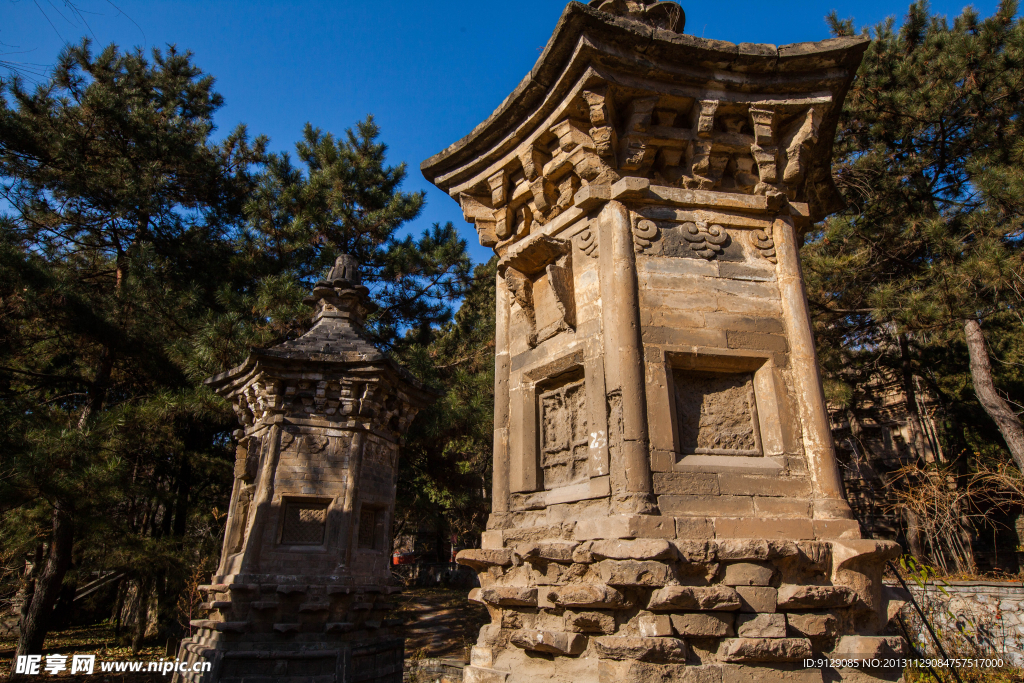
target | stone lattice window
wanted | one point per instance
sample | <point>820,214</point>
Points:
<point>564,444</point>
<point>304,523</point>
<point>716,413</point>
<point>371,528</point>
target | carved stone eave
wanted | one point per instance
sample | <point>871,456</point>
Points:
<point>267,363</point>
<point>591,51</point>
<point>261,364</point>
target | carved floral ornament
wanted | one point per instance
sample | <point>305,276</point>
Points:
<point>644,233</point>
<point>608,132</point>
<point>764,243</point>
<point>304,443</point>
<point>587,242</point>
<point>705,237</point>
<point>706,240</point>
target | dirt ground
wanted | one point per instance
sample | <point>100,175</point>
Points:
<point>438,623</point>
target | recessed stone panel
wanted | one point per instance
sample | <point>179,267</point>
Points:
<point>716,413</point>
<point>304,523</point>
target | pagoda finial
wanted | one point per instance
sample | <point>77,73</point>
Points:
<point>341,294</point>
<point>665,15</point>
<point>346,269</point>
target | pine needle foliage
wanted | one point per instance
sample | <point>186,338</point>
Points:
<point>445,476</point>
<point>928,156</point>
<point>139,255</point>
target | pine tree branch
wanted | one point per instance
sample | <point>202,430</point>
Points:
<point>42,375</point>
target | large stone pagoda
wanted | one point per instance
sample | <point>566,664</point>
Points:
<point>666,505</point>
<point>300,594</point>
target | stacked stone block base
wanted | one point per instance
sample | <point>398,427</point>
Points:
<point>668,609</point>
<point>263,633</point>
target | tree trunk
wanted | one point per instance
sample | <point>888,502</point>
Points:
<point>34,623</point>
<point>967,540</point>
<point>914,534</point>
<point>35,620</point>
<point>115,615</point>
<point>23,599</point>
<point>981,373</point>
<point>141,615</point>
<point>98,390</point>
<point>918,444</point>
<point>169,586</point>
<point>181,499</point>
<point>63,609</point>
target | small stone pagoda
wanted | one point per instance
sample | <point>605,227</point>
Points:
<point>301,591</point>
<point>667,504</point>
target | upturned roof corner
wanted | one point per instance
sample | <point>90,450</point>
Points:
<point>620,92</point>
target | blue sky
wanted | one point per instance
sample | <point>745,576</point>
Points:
<point>428,72</point>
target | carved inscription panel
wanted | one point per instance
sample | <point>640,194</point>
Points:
<point>716,413</point>
<point>564,443</point>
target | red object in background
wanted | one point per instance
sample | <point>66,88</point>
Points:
<point>403,558</point>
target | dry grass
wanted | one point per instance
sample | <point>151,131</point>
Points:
<point>946,507</point>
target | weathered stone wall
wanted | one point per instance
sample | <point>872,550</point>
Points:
<point>433,671</point>
<point>988,614</point>
<point>682,609</point>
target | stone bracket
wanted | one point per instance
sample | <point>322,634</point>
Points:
<point>542,261</point>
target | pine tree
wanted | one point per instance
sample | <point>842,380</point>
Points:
<point>928,156</point>
<point>117,205</point>
<point>137,257</point>
<point>445,466</point>
<point>346,199</point>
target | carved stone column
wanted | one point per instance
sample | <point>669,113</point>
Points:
<point>667,502</point>
<point>301,591</point>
